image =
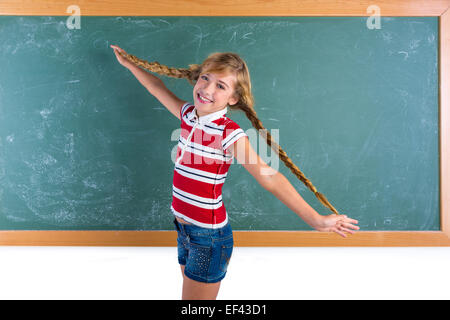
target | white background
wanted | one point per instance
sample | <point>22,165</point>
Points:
<point>253,273</point>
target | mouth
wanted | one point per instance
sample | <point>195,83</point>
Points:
<point>202,99</point>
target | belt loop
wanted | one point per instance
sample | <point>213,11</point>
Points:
<point>175,222</point>
<point>183,230</point>
<point>181,227</point>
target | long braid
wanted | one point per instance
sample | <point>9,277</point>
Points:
<point>251,115</point>
<point>192,75</point>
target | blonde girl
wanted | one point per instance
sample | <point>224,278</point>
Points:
<point>208,142</point>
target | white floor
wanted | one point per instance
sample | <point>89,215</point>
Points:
<point>253,273</point>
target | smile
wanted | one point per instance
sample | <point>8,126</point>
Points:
<point>202,99</point>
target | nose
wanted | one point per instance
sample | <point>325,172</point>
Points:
<point>207,90</point>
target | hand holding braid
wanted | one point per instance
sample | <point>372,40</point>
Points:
<point>245,104</point>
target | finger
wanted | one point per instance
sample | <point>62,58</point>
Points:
<point>351,220</point>
<point>341,228</point>
<point>347,230</point>
<point>116,48</point>
<point>339,232</point>
<point>349,225</point>
<point>341,225</point>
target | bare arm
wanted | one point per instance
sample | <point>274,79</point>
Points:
<point>153,84</point>
<point>274,181</point>
<point>147,79</point>
<point>280,187</point>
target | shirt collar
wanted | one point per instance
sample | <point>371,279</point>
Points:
<point>209,117</point>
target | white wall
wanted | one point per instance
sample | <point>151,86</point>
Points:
<point>254,273</point>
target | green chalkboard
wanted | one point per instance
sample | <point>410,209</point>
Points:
<point>83,146</point>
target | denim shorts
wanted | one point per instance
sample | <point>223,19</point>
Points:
<point>204,252</point>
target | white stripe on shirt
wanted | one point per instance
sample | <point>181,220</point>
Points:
<point>200,224</point>
<point>232,137</point>
<point>202,150</point>
<point>200,175</point>
<point>201,202</point>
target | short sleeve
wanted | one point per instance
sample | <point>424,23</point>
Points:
<point>231,134</point>
<point>183,109</point>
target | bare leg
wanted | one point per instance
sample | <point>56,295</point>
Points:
<point>195,290</point>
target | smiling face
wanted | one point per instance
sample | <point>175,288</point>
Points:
<point>213,92</point>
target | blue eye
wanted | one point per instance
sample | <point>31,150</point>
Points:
<point>206,78</point>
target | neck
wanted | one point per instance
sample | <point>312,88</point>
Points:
<point>201,114</point>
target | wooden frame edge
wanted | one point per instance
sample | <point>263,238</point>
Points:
<point>444,119</point>
<point>438,8</point>
<point>225,7</point>
<point>241,238</point>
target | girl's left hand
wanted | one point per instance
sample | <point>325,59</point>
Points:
<point>338,223</point>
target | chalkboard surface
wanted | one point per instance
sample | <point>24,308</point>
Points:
<point>83,146</point>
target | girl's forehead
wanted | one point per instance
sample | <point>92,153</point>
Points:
<point>217,74</point>
<point>227,77</point>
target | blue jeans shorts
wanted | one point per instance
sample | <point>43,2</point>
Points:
<point>204,252</point>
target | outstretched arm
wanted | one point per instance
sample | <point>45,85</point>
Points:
<point>153,84</point>
<point>280,187</point>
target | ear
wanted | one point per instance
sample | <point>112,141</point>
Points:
<point>233,100</point>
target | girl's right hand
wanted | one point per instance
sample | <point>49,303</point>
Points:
<point>123,61</point>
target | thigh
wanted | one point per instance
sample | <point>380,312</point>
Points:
<point>195,290</point>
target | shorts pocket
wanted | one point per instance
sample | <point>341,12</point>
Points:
<point>199,260</point>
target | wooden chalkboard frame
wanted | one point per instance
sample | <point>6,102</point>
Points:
<point>439,8</point>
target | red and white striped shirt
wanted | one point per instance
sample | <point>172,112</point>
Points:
<point>201,166</point>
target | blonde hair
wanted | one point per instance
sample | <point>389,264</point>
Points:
<point>231,63</point>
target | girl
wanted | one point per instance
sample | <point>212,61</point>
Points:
<point>208,142</point>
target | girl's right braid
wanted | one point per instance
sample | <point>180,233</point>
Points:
<point>156,67</point>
